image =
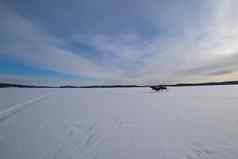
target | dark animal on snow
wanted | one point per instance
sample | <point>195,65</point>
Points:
<point>159,88</point>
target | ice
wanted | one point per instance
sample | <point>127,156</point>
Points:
<point>126,123</point>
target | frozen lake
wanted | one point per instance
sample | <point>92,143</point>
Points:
<point>119,123</point>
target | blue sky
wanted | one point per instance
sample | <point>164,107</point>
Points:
<point>118,42</point>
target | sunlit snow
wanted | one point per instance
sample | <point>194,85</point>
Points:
<point>119,123</point>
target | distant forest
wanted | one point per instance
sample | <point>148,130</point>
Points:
<point>9,85</point>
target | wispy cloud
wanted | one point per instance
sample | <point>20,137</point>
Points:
<point>170,42</point>
<point>31,45</point>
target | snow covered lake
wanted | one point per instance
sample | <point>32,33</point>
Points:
<point>119,123</point>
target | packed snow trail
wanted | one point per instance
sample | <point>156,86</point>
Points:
<point>8,113</point>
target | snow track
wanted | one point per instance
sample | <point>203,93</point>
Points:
<point>8,113</point>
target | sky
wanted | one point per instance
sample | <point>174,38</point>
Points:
<point>118,42</point>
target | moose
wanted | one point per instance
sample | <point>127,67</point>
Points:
<point>159,88</point>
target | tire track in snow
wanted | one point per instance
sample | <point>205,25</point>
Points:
<point>14,109</point>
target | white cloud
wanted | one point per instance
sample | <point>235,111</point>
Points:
<point>198,39</point>
<point>31,45</point>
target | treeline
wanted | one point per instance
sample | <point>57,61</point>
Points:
<point>205,84</point>
<point>8,85</point>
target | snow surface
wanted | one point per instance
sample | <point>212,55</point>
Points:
<point>119,123</point>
